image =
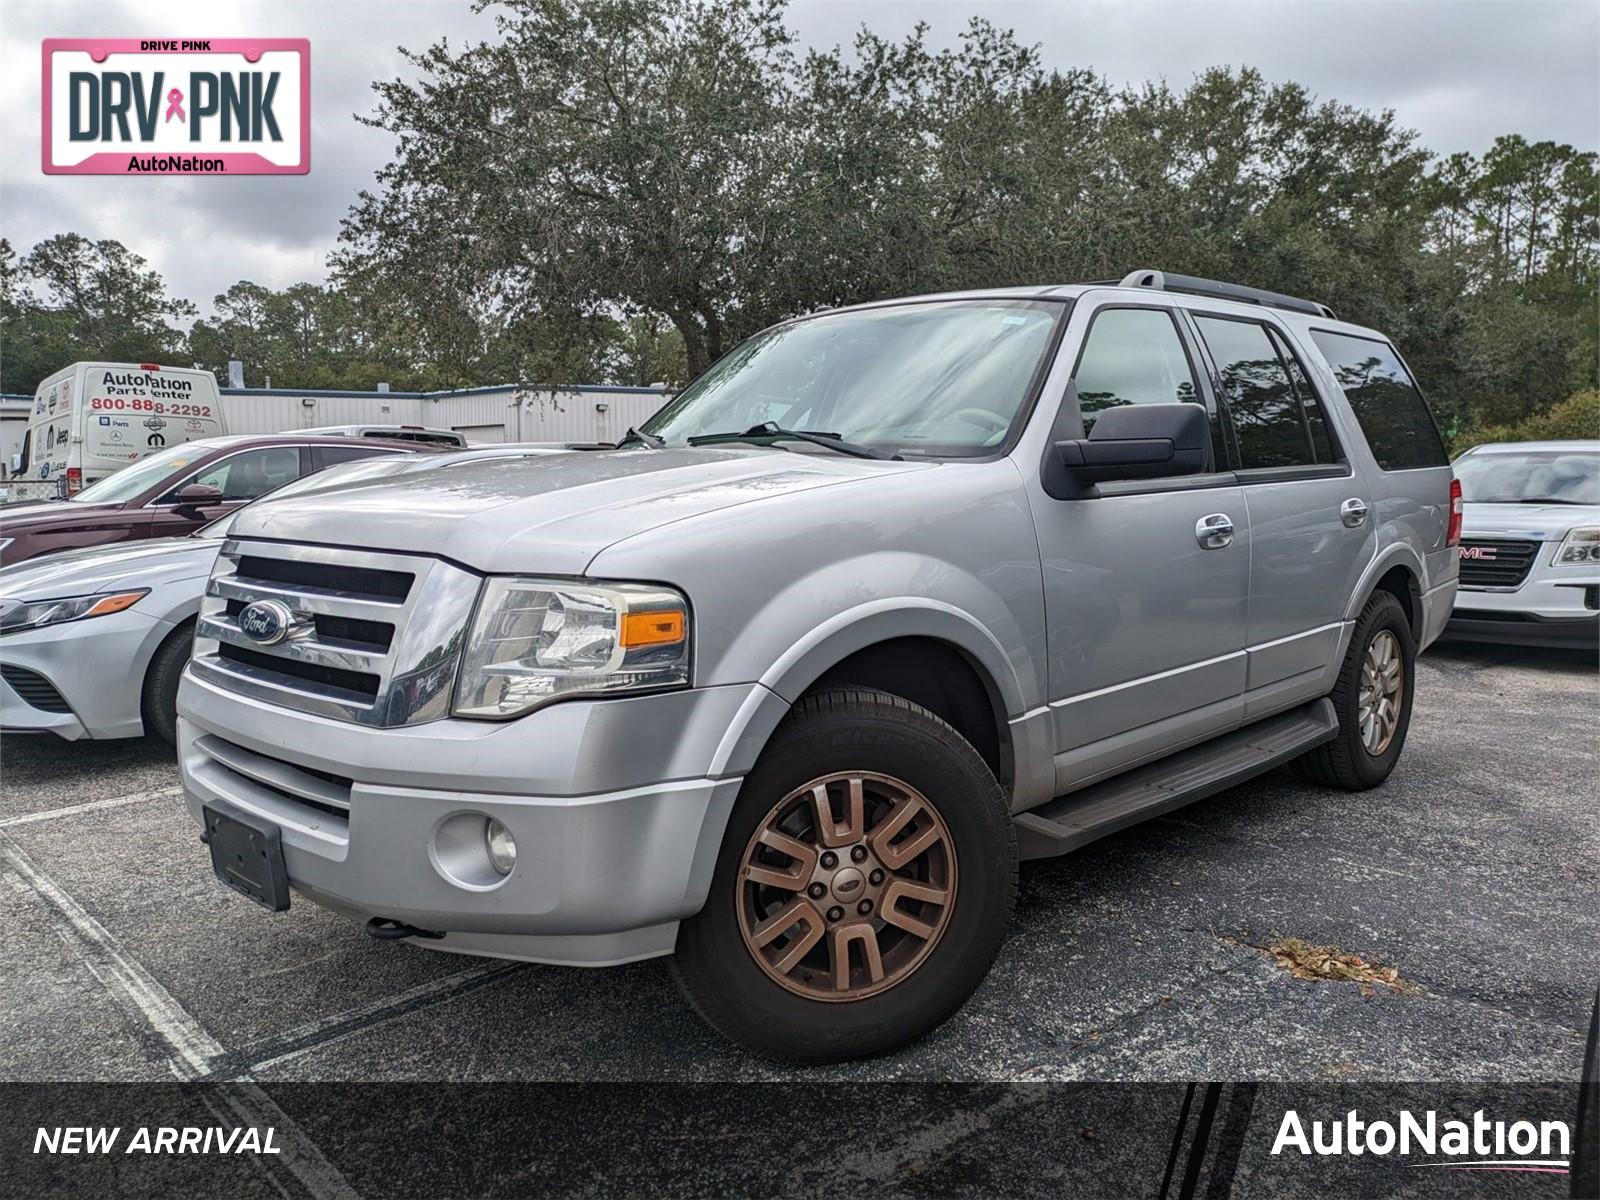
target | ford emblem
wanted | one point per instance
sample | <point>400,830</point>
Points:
<point>265,621</point>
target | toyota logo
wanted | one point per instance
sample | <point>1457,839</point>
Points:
<point>265,621</point>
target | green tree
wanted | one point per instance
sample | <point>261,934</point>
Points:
<point>620,152</point>
<point>71,298</point>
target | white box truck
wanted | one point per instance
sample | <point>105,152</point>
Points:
<point>92,418</point>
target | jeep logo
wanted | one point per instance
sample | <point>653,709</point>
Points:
<point>266,622</point>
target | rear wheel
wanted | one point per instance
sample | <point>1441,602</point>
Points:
<point>864,885</point>
<point>159,704</point>
<point>1372,699</point>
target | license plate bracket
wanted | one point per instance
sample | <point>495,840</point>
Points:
<point>247,854</point>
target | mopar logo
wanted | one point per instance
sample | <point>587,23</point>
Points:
<point>265,621</point>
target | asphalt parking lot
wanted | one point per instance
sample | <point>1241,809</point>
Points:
<point>1475,871</point>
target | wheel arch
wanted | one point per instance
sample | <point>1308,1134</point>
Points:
<point>1398,571</point>
<point>898,646</point>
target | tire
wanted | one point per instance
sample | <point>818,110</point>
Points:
<point>882,755</point>
<point>1347,761</point>
<point>159,704</point>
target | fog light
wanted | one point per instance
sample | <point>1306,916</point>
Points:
<point>501,845</point>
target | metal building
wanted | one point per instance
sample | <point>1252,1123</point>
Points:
<point>505,413</point>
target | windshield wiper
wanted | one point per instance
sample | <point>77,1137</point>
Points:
<point>649,440</point>
<point>768,432</point>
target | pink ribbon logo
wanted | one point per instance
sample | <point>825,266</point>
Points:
<point>175,105</point>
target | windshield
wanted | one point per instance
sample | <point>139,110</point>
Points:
<point>124,485</point>
<point>1560,476</point>
<point>350,472</point>
<point>943,379</point>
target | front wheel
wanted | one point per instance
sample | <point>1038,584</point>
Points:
<point>159,702</point>
<point>1372,699</point>
<point>864,885</point>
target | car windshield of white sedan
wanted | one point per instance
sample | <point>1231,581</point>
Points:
<point>935,379</point>
<point>135,478</point>
<point>1531,477</point>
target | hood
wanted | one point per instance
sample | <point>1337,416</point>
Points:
<point>26,516</point>
<point>1534,522</point>
<point>549,514</point>
<point>108,568</point>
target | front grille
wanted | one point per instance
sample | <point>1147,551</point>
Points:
<point>372,637</point>
<point>351,631</point>
<point>360,581</point>
<point>1489,563</point>
<point>361,685</point>
<point>235,771</point>
<point>34,688</point>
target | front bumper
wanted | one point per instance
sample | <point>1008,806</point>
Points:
<point>1554,606</point>
<point>96,666</point>
<point>617,807</point>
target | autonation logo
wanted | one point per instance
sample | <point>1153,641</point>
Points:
<point>1480,1144</point>
<point>177,106</point>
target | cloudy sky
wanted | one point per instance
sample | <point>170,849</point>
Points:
<point>1457,71</point>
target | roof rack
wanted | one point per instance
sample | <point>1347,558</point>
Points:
<point>1166,281</point>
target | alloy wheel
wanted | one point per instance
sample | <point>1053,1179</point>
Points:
<point>846,886</point>
<point>1380,696</point>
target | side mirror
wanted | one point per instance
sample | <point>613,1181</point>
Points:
<point>196,496</point>
<point>1131,441</point>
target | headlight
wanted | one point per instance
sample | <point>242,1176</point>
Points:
<point>1580,546</point>
<point>537,640</point>
<point>17,615</point>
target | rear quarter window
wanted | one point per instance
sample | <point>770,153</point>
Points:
<point>1388,407</point>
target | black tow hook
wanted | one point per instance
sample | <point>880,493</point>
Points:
<point>386,930</point>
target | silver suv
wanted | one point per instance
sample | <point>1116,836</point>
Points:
<point>785,684</point>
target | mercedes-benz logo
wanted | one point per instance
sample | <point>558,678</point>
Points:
<point>265,621</point>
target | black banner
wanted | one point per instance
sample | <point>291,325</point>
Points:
<point>1167,1141</point>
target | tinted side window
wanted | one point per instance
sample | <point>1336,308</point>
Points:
<point>1259,394</point>
<point>1321,439</point>
<point>252,473</point>
<point>1386,402</point>
<point>326,456</point>
<point>1132,356</point>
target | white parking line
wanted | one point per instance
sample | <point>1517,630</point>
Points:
<point>192,1048</point>
<point>73,810</point>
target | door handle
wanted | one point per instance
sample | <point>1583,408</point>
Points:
<point>1353,512</point>
<point>1214,531</point>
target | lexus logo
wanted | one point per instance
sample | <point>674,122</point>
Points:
<point>266,622</point>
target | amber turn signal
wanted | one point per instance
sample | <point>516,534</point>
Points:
<point>652,629</point>
<point>115,604</point>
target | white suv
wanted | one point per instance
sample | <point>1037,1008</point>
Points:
<point>1530,544</point>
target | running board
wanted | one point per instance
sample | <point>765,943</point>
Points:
<point>1072,821</point>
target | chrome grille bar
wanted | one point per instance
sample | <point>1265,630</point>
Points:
<point>409,682</point>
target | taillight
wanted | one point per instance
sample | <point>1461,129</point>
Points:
<point>74,480</point>
<point>1452,535</point>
